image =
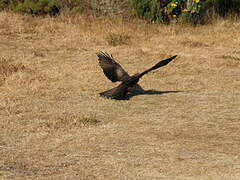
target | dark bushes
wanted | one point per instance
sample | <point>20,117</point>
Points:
<point>226,7</point>
<point>193,11</point>
<point>35,7</point>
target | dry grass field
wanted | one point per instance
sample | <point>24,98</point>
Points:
<point>53,124</point>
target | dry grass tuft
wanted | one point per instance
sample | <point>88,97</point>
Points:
<point>232,56</point>
<point>194,44</point>
<point>114,39</point>
<point>69,121</point>
<point>8,67</point>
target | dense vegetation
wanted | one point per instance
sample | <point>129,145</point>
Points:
<point>36,7</point>
<point>194,11</point>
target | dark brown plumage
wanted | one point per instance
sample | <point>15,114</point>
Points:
<point>111,68</point>
<point>115,72</point>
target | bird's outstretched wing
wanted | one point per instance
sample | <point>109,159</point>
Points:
<point>158,65</point>
<point>111,68</point>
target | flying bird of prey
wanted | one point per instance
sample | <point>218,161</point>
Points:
<point>115,72</point>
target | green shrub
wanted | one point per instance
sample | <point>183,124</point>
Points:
<point>72,4</point>
<point>196,12</point>
<point>226,7</point>
<point>4,4</point>
<point>164,10</point>
<point>148,9</point>
<point>193,11</point>
<point>36,7</point>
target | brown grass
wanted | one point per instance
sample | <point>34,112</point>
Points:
<point>117,39</point>
<point>7,68</point>
<point>53,125</point>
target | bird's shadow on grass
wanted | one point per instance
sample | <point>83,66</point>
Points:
<point>149,92</point>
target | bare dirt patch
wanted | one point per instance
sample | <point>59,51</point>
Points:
<point>53,124</point>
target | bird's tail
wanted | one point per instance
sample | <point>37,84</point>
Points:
<point>158,65</point>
